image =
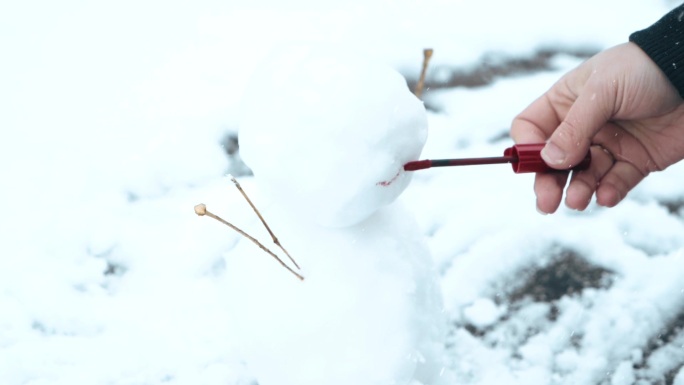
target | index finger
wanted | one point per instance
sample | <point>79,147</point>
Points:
<point>535,124</point>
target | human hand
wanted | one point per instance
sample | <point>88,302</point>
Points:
<point>620,106</point>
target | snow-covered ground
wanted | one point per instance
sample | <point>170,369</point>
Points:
<point>116,119</point>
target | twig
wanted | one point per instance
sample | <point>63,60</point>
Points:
<point>275,239</point>
<point>427,54</point>
<point>201,210</point>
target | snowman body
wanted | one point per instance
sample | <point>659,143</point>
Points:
<point>328,162</point>
<point>368,312</point>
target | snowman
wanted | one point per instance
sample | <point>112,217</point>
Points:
<point>326,133</point>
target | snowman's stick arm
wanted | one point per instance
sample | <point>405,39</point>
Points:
<point>263,221</point>
<point>201,210</point>
<point>418,91</point>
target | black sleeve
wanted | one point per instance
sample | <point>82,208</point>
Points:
<point>664,43</point>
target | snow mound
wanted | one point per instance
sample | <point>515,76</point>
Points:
<point>368,312</point>
<point>329,131</point>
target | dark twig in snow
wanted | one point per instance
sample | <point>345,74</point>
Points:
<point>201,210</point>
<point>275,239</point>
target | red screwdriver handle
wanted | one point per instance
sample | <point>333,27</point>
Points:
<point>529,159</point>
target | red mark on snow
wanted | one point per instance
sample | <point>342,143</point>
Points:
<point>386,183</point>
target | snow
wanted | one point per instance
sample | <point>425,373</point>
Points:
<point>482,312</point>
<point>370,287</point>
<point>368,311</point>
<point>111,122</point>
<point>367,125</point>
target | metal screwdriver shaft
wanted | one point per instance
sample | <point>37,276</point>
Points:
<point>429,163</point>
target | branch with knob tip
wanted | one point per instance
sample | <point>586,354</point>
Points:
<point>201,210</point>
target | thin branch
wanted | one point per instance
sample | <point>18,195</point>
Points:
<point>201,210</point>
<point>275,239</point>
<point>427,54</point>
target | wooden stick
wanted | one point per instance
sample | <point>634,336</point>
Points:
<point>427,54</point>
<point>201,210</point>
<point>275,239</point>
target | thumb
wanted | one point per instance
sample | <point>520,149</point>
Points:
<point>570,142</point>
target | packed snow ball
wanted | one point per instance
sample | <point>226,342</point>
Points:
<point>327,132</point>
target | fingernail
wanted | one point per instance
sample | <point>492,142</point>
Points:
<point>553,154</point>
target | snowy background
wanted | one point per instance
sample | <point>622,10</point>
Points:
<point>116,119</point>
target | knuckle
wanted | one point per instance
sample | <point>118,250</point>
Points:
<point>566,132</point>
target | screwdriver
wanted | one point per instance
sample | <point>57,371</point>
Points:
<point>523,157</point>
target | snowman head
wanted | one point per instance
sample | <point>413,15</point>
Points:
<point>327,133</point>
